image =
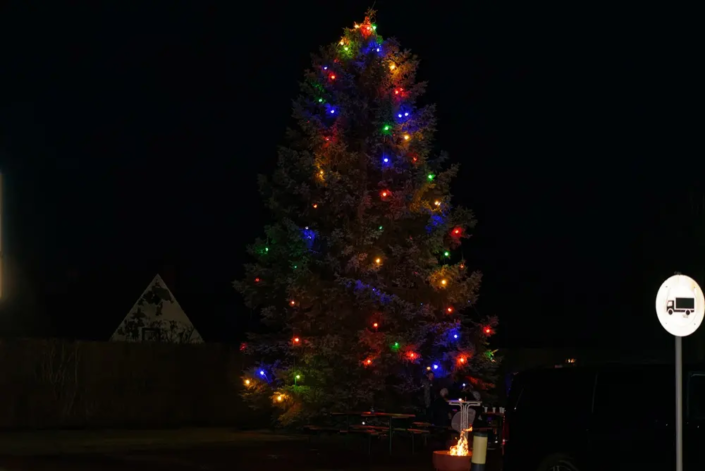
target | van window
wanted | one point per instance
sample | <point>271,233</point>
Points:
<point>637,396</point>
<point>696,396</point>
<point>558,390</point>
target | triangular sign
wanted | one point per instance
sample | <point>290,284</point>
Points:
<point>157,317</point>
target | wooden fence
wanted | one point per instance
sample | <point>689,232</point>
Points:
<point>62,384</point>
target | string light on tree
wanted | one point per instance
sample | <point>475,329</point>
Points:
<point>378,261</point>
<point>449,309</point>
<point>257,280</point>
<point>375,326</point>
<point>457,232</point>
<point>430,177</point>
<point>297,340</point>
<point>247,382</point>
<point>385,193</point>
<point>292,303</point>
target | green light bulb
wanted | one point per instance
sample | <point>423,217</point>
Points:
<point>380,228</point>
<point>295,267</point>
<point>266,249</point>
<point>320,100</point>
<point>374,27</point>
<point>447,254</point>
<point>387,127</point>
<point>298,376</point>
<point>431,176</point>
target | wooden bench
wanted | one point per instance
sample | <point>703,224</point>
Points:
<point>413,433</point>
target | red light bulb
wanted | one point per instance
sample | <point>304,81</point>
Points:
<point>292,302</point>
<point>256,280</point>
<point>457,231</point>
<point>368,362</point>
<point>297,340</point>
<point>332,76</point>
<point>462,360</point>
<point>488,330</point>
<point>449,309</point>
<point>384,193</point>
<point>375,325</point>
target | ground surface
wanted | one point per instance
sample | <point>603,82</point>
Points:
<point>198,449</point>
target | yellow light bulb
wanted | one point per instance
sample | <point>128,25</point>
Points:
<point>444,282</point>
<point>392,67</point>
<point>406,137</point>
<point>437,203</point>
<point>247,382</point>
<point>280,398</point>
<point>378,261</point>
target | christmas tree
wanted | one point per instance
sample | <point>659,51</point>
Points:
<point>359,282</point>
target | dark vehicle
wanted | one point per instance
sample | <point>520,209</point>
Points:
<point>602,419</point>
<point>686,305</point>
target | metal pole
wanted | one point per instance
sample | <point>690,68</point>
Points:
<point>679,404</point>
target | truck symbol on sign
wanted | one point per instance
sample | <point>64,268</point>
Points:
<point>686,305</point>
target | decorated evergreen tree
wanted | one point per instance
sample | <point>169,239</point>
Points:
<point>359,281</point>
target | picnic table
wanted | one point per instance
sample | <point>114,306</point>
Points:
<point>383,415</point>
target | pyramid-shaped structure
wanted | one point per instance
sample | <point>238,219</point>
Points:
<point>157,317</point>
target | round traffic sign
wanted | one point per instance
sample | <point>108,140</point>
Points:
<point>680,305</point>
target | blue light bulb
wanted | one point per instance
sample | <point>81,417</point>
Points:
<point>386,160</point>
<point>325,67</point>
<point>455,336</point>
<point>332,111</point>
<point>399,115</point>
<point>261,372</point>
<point>406,114</point>
<point>435,367</point>
<point>378,49</point>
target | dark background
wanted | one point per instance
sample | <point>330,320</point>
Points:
<point>131,137</point>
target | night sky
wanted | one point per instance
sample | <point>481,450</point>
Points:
<point>131,138</point>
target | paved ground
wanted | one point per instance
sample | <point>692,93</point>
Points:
<point>197,449</point>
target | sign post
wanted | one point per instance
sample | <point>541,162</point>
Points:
<point>680,306</point>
